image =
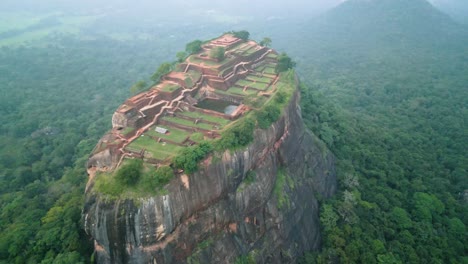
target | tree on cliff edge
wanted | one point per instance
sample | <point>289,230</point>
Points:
<point>266,42</point>
<point>243,34</point>
<point>193,47</point>
<point>130,172</point>
<point>138,87</point>
<point>164,69</point>
<point>284,63</point>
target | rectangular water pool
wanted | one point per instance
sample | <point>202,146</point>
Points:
<point>220,106</point>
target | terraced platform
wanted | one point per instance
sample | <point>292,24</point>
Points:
<point>195,102</point>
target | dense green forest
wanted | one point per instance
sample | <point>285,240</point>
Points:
<point>394,112</point>
<point>56,103</point>
<point>385,90</point>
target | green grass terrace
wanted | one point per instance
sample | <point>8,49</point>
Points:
<point>191,78</point>
<point>169,87</point>
<point>268,68</point>
<point>256,85</point>
<point>204,117</point>
<point>173,134</point>
<point>154,149</point>
<point>245,49</point>
<point>238,91</point>
<point>272,56</point>
<point>189,123</point>
<point>263,79</point>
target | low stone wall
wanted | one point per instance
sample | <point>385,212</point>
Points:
<point>190,108</point>
<point>231,81</point>
<point>218,84</point>
<point>184,127</point>
<point>131,134</point>
<point>203,70</point>
<point>231,63</point>
<point>153,110</point>
<point>255,55</point>
<point>230,98</point>
<point>195,119</point>
<point>169,96</point>
<point>176,80</point>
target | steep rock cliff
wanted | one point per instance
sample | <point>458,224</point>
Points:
<point>259,203</point>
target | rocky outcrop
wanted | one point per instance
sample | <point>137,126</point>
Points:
<point>260,202</point>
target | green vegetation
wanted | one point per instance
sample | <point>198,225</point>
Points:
<point>150,181</point>
<point>193,47</point>
<point>271,111</point>
<point>162,70</point>
<point>390,104</point>
<point>174,134</point>
<point>269,70</point>
<point>129,173</point>
<point>243,82</point>
<point>240,134</point>
<point>194,75</point>
<point>138,87</point>
<point>181,56</point>
<point>263,79</point>
<point>197,137</point>
<point>255,101</point>
<point>248,180</point>
<point>189,157</point>
<point>284,63</point>
<point>245,259</point>
<point>259,86</point>
<point>154,180</point>
<point>243,34</point>
<point>251,49</point>
<point>265,42</point>
<point>272,56</point>
<point>197,252</point>
<point>188,123</point>
<point>267,115</point>
<point>388,100</point>
<point>217,53</point>
<point>160,151</point>
<point>278,189</point>
<point>58,96</point>
<point>240,91</point>
<point>127,130</point>
<point>169,87</point>
<point>250,177</point>
<point>202,116</point>
<point>194,59</point>
<point>245,49</point>
<point>16,29</point>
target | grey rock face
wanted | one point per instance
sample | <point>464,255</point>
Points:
<point>217,215</point>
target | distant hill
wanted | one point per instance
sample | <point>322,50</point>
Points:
<point>458,9</point>
<point>359,30</point>
<point>364,23</point>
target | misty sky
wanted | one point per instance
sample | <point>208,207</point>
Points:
<point>239,7</point>
<point>193,11</point>
<point>232,7</point>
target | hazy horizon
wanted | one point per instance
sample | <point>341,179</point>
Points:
<point>185,11</point>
